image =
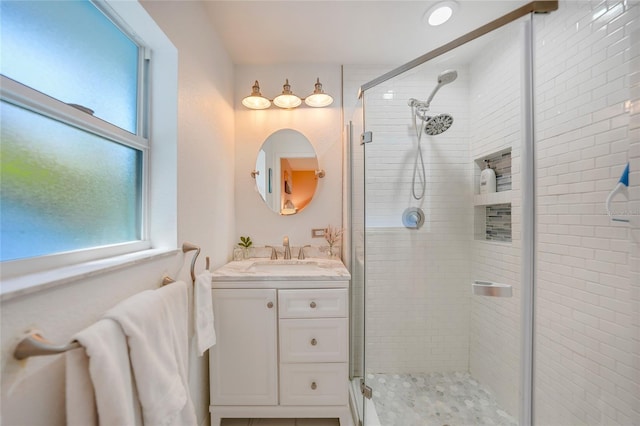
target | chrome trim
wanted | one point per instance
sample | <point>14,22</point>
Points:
<point>542,6</point>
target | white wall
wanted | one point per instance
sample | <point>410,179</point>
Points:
<point>586,343</point>
<point>323,128</point>
<point>33,391</point>
<point>206,128</point>
<point>205,147</point>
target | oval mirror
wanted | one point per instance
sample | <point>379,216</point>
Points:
<point>285,171</point>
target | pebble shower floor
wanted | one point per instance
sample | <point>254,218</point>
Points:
<point>435,399</point>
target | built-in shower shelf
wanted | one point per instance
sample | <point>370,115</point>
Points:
<point>492,212</point>
<point>503,197</point>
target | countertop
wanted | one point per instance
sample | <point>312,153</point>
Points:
<point>261,269</point>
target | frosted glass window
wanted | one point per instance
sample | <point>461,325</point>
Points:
<point>63,188</point>
<point>71,51</point>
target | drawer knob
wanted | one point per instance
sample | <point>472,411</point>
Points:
<point>314,386</point>
<point>312,304</point>
<point>270,305</point>
<point>314,342</point>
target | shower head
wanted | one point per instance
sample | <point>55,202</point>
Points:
<point>437,124</point>
<point>445,77</point>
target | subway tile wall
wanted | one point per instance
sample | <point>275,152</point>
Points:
<point>417,291</point>
<point>497,121</point>
<point>587,60</point>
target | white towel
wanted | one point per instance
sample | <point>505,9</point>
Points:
<point>80,398</point>
<point>110,372</point>
<point>155,323</point>
<point>205,333</point>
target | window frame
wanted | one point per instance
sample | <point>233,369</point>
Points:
<point>157,231</point>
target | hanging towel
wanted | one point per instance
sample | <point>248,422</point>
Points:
<point>108,367</point>
<point>155,323</point>
<point>80,398</point>
<point>205,333</point>
<point>175,300</point>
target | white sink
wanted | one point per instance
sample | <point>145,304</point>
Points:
<point>284,266</point>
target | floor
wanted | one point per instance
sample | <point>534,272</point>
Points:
<point>280,422</point>
<point>435,399</point>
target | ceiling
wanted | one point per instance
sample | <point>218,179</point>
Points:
<point>341,32</point>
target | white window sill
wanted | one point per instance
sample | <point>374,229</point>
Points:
<point>32,283</point>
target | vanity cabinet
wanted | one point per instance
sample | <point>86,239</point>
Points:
<point>282,350</point>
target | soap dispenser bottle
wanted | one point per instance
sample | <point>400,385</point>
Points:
<point>487,179</point>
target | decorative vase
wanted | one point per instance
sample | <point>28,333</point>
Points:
<point>238,254</point>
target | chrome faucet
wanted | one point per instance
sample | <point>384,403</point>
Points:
<point>287,249</point>
<point>274,253</point>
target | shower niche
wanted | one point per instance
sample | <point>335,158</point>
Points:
<point>492,211</point>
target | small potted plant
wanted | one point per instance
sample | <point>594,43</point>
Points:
<point>244,244</point>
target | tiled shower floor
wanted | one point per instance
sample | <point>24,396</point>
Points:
<point>453,399</point>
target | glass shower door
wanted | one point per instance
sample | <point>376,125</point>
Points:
<point>442,260</point>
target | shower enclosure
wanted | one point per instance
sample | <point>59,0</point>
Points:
<point>436,353</point>
<point>443,274</point>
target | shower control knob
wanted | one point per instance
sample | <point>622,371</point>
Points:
<point>314,386</point>
<point>312,304</point>
<point>314,342</point>
<point>270,305</point>
<point>413,218</point>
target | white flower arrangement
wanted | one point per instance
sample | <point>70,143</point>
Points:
<point>332,235</point>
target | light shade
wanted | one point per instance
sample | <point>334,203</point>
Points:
<point>255,100</point>
<point>318,99</point>
<point>440,13</point>
<point>287,99</point>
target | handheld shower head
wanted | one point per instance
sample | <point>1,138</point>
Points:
<point>447,76</point>
<point>444,77</point>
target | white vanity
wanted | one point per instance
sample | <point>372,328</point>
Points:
<point>282,340</point>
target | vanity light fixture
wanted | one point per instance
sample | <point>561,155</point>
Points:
<point>318,98</point>
<point>255,100</point>
<point>287,99</point>
<point>440,13</point>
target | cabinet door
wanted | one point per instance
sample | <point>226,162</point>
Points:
<point>243,363</point>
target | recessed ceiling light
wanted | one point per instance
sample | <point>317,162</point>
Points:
<point>440,13</point>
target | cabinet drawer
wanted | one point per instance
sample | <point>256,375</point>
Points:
<point>313,384</point>
<point>314,340</point>
<point>329,303</point>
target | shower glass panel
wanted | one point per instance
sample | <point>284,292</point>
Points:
<point>435,351</point>
<point>355,158</point>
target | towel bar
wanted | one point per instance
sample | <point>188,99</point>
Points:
<point>33,344</point>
